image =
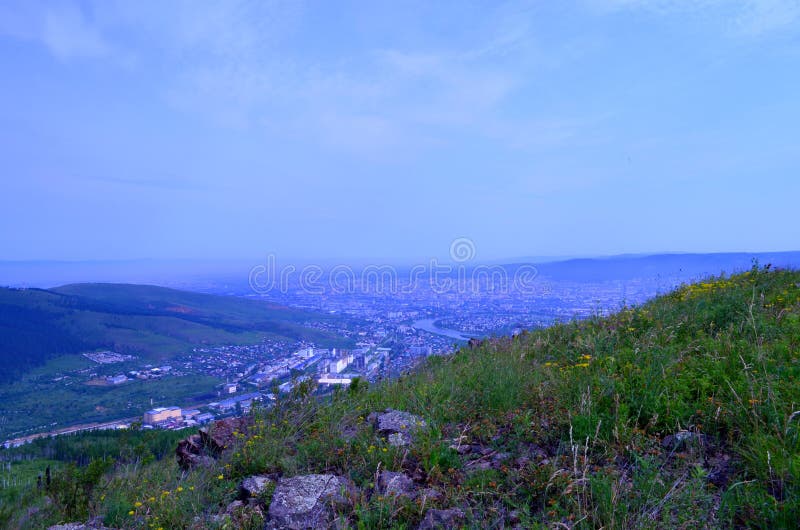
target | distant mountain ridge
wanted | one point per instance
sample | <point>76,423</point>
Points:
<point>690,266</point>
<point>195,274</point>
<point>145,320</point>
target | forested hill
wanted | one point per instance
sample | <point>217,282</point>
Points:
<point>154,322</point>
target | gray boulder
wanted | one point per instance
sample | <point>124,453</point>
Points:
<point>397,426</point>
<point>450,518</point>
<point>309,501</point>
<point>394,484</point>
<point>252,488</point>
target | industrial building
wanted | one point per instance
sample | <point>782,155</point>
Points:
<point>162,414</point>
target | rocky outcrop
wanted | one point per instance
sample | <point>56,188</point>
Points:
<point>396,426</point>
<point>447,519</point>
<point>222,433</point>
<point>309,501</point>
<point>190,453</point>
<point>199,450</point>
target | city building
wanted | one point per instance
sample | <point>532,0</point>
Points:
<point>340,363</point>
<point>162,414</point>
<point>204,418</point>
<point>116,379</point>
<point>229,388</point>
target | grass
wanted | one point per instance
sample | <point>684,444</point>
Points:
<point>579,419</point>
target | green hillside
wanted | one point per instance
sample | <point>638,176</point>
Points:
<point>682,413</point>
<point>148,321</point>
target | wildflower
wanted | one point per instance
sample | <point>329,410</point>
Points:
<point>151,499</point>
<point>191,488</point>
<point>164,493</point>
<point>384,449</point>
<point>220,477</point>
<point>131,512</point>
<point>137,504</point>
<point>179,489</point>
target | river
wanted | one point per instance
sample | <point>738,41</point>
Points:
<point>429,326</point>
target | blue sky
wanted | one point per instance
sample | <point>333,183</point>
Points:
<point>155,129</point>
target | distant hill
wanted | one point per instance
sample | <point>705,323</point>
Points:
<point>683,266</point>
<point>144,320</point>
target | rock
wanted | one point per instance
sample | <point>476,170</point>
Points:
<point>95,523</point>
<point>430,495</point>
<point>499,458</point>
<point>721,470</point>
<point>190,453</point>
<point>522,462</point>
<point>395,484</point>
<point>474,343</point>
<point>397,426</point>
<point>461,445</point>
<point>450,518</point>
<point>309,501</point>
<point>252,488</point>
<point>220,435</point>
<point>461,449</point>
<point>681,439</point>
<point>233,507</point>
<point>478,465</point>
<point>399,439</point>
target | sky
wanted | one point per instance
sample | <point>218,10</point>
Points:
<point>214,130</point>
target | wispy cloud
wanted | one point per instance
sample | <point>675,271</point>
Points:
<point>236,64</point>
<point>751,18</point>
<point>67,33</point>
<point>65,29</point>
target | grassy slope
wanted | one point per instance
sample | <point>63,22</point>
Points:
<point>581,409</point>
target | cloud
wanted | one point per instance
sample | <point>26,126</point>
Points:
<point>64,29</point>
<point>241,64</point>
<point>760,17</point>
<point>67,33</point>
<point>751,18</point>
